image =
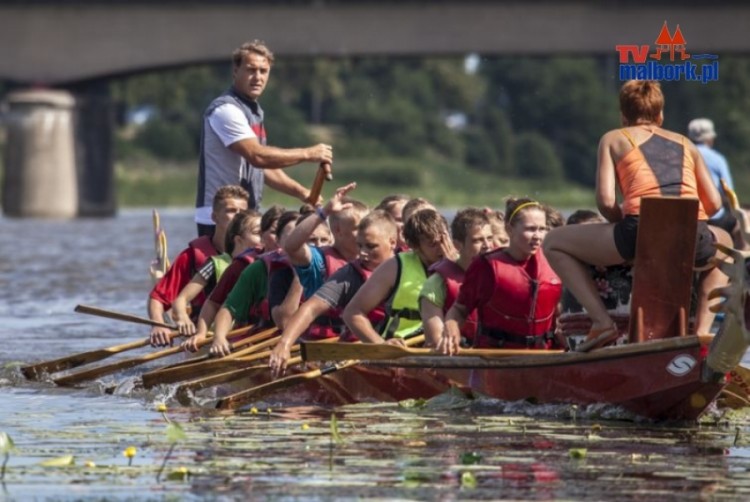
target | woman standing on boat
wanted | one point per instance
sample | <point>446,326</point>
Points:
<point>514,289</point>
<point>643,159</point>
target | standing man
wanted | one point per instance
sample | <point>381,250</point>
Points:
<point>702,132</point>
<point>233,140</point>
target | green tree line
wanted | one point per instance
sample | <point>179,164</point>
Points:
<point>537,118</point>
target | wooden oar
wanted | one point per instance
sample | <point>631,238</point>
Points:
<point>233,345</point>
<point>182,392</point>
<point>110,314</point>
<point>238,399</point>
<point>185,371</point>
<point>243,397</point>
<point>321,175</point>
<point>36,371</point>
<point>315,351</point>
<point>241,371</point>
<point>83,376</point>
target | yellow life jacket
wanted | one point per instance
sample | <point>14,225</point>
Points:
<point>402,309</point>
<point>221,263</point>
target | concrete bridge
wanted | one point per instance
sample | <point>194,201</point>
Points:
<point>78,44</point>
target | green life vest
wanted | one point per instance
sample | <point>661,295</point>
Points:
<point>402,310</point>
<point>221,263</point>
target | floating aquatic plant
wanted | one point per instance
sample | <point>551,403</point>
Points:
<point>335,435</point>
<point>468,480</point>
<point>470,458</point>
<point>175,434</point>
<point>64,461</point>
<point>129,453</point>
<point>6,446</point>
<point>577,453</point>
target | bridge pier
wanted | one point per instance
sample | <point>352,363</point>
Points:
<point>94,134</point>
<point>40,169</point>
<point>58,156</point>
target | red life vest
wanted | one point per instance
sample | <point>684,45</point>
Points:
<point>201,249</point>
<point>274,260</point>
<point>330,324</point>
<point>453,277</point>
<point>376,315</point>
<point>522,308</point>
<point>249,255</point>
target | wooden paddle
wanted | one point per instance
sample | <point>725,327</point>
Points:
<point>321,175</point>
<point>238,399</point>
<point>36,371</point>
<point>243,397</point>
<point>111,314</point>
<point>314,351</point>
<point>241,371</point>
<point>160,264</point>
<point>83,376</point>
<point>233,345</point>
<point>182,392</point>
<point>203,365</point>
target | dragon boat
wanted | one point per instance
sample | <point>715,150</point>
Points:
<point>661,373</point>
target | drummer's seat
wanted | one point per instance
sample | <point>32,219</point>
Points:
<point>663,268</point>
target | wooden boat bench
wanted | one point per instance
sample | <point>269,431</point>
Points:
<point>663,268</point>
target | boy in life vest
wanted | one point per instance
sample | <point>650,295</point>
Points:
<point>497,225</point>
<point>284,288</point>
<point>237,265</point>
<point>240,246</point>
<point>313,265</point>
<point>394,205</point>
<point>228,201</point>
<point>398,281</point>
<point>377,236</point>
<point>243,303</point>
<point>472,235</point>
<point>514,289</point>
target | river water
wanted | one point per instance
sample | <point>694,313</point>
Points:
<point>451,449</point>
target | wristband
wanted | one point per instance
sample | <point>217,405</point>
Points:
<point>321,214</point>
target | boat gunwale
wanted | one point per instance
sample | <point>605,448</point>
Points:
<point>562,359</point>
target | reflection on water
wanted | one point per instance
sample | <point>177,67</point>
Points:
<point>452,449</point>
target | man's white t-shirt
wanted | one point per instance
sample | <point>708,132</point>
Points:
<point>227,125</point>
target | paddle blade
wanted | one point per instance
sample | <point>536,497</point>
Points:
<point>36,371</point>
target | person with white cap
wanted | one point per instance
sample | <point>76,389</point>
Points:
<point>703,134</point>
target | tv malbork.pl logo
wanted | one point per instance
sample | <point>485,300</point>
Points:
<point>637,63</point>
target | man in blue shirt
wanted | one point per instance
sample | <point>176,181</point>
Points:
<point>703,134</point>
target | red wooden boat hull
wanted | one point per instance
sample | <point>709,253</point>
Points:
<point>357,384</point>
<point>659,380</point>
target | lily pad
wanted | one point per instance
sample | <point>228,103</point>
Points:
<point>64,461</point>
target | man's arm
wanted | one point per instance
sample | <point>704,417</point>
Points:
<point>205,319</point>
<point>295,245</point>
<point>372,293</point>
<point>295,326</point>
<point>279,181</point>
<point>160,336</point>
<point>454,319</point>
<point>283,308</point>
<point>271,157</point>
<point>222,326</point>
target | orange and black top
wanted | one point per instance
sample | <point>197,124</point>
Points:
<point>659,166</point>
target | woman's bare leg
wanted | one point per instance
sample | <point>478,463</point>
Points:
<point>710,280</point>
<point>569,250</point>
